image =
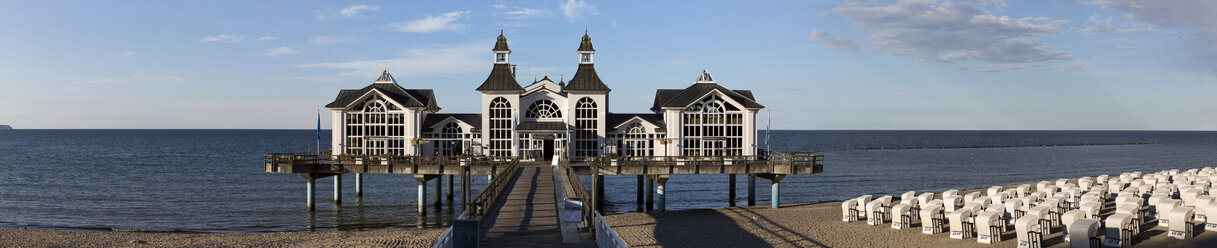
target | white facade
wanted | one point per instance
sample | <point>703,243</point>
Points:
<point>545,119</point>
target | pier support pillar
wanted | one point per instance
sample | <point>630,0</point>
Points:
<point>599,191</point>
<point>338,189</point>
<point>312,194</point>
<point>661,199</point>
<point>465,181</point>
<point>422,192</point>
<point>358,185</point>
<point>751,189</point>
<point>775,194</point>
<point>450,178</point>
<point>439,191</point>
<point>650,194</point>
<point>731,189</point>
<point>639,189</point>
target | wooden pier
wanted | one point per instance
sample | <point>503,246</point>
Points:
<point>522,202</point>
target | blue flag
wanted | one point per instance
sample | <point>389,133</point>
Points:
<point>319,128</point>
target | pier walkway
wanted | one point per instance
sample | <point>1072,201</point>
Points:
<point>528,217</point>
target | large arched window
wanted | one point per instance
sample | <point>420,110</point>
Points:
<point>544,109</point>
<point>450,142</point>
<point>586,128</point>
<point>713,127</point>
<point>377,127</point>
<point>635,142</point>
<point>500,127</point>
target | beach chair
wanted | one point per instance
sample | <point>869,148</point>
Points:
<point>1189,196</point>
<point>932,220</point>
<point>1154,200</point>
<point>1036,197</point>
<point>961,224</point>
<point>1040,185</point>
<point>975,207</point>
<point>1001,214</point>
<point>999,198</point>
<point>1023,190</point>
<point>1202,203</point>
<point>1092,209</point>
<point>902,216</point>
<point>992,191</point>
<point>1134,210</point>
<point>1045,221</point>
<point>925,197</point>
<point>989,226</point>
<point>1084,233</point>
<point>1118,230</point>
<point>911,199</point>
<point>1060,183</point>
<point>1165,207</point>
<point>1101,179</point>
<point>1181,225</point>
<point>1085,183</point>
<point>1068,218</point>
<point>951,203</point>
<point>1014,209</point>
<point>1028,232</point>
<point>849,210</point>
<point>968,198</point>
<point>875,212</point>
<point>862,201</point>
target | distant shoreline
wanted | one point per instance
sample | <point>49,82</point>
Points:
<point>1002,146</point>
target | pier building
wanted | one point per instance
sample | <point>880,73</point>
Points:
<point>545,119</point>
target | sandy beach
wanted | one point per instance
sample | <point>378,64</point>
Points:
<point>820,225</point>
<point>11,237</point>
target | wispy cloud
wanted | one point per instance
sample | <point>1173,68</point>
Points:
<point>326,40</point>
<point>445,22</point>
<point>526,13</point>
<point>264,38</point>
<point>432,60</point>
<point>577,10</point>
<point>1071,68</point>
<point>946,32</point>
<point>1104,25</point>
<point>833,41</point>
<point>356,9</point>
<point>122,55</point>
<point>222,38</point>
<point>137,77</point>
<point>1009,67</point>
<point>500,6</point>
<point>279,51</point>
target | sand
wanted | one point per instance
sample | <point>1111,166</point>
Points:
<point>10,237</point>
<point>820,225</point>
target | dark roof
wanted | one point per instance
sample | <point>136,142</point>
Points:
<point>474,120</point>
<point>500,78</point>
<point>542,126</point>
<point>385,77</point>
<point>424,98</point>
<point>586,44</point>
<point>617,119</point>
<point>585,79</point>
<point>682,98</point>
<point>501,45</point>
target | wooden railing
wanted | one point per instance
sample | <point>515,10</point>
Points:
<point>581,192</point>
<point>487,196</point>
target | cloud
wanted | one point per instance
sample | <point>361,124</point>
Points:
<point>122,55</point>
<point>432,60</point>
<point>946,32</point>
<point>526,13</point>
<point>1071,68</point>
<point>222,38</point>
<point>1104,25</point>
<point>137,77</point>
<point>445,22</point>
<point>263,38</point>
<point>833,41</point>
<point>1194,14</point>
<point>279,51</point>
<point>576,10</point>
<point>500,6</point>
<point>326,40</point>
<point>355,9</point>
<point>1008,67</point>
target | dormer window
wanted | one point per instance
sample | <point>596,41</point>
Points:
<point>500,58</point>
<point>585,58</point>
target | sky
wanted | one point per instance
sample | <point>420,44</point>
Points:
<point>816,65</point>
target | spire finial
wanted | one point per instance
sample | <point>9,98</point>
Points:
<point>500,29</point>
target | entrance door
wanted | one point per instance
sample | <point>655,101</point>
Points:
<point>712,147</point>
<point>547,150</point>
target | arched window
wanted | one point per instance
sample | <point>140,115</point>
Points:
<point>636,142</point>
<point>713,127</point>
<point>544,109</point>
<point>450,142</point>
<point>452,128</point>
<point>586,128</point>
<point>500,127</point>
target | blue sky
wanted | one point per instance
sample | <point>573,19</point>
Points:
<point>906,64</point>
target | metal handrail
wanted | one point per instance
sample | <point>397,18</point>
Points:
<point>577,187</point>
<point>606,237</point>
<point>486,197</point>
<point>445,240</point>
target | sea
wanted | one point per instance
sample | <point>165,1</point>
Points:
<point>213,180</point>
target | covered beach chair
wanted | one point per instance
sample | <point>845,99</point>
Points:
<point>961,223</point>
<point>1181,225</point>
<point>989,226</point>
<point>951,203</point>
<point>932,220</point>
<point>1164,208</point>
<point>1202,203</point>
<point>1014,209</point>
<point>992,191</point>
<point>902,216</point>
<point>1068,218</point>
<point>1045,221</point>
<point>862,201</point>
<point>1028,233</point>
<point>1084,233</point>
<point>968,198</point>
<point>849,210</point>
<point>1118,231</point>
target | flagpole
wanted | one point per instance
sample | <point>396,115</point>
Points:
<point>768,124</point>
<point>318,132</point>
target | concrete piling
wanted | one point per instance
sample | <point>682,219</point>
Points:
<point>338,189</point>
<point>312,190</point>
<point>751,190</point>
<point>731,189</point>
<point>422,195</point>
<point>358,185</point>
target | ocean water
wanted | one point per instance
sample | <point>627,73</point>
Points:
<point>213,180</point>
